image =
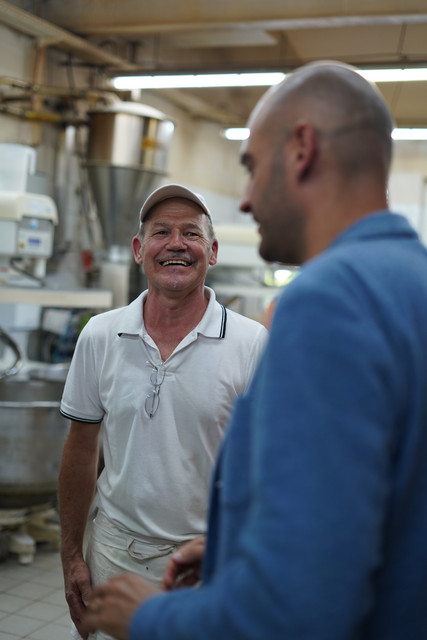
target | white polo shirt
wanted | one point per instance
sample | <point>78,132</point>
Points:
<point>157,470</point>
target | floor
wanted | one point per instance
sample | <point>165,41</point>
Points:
<point>32,603</point>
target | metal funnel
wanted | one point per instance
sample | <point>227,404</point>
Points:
<point>127,152</point>
<point>119,193</point>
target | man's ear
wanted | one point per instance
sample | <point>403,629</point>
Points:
<point>214,253</point>
<point>137,249</point>
<point>305,148</point>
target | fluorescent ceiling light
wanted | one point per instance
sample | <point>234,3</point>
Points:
<point>236,133</point>
<point>198,81</point>
<point>394,75</point>
<point>206,80</point>
<point>241,133</point>
<point>409,134</point>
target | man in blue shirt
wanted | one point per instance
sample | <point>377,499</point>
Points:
<point>318,513</point>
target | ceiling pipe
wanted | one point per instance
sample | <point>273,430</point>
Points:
<point>30,89</point>
<point>89,95</point>
<point>53,36</point>
<point>40,116</point>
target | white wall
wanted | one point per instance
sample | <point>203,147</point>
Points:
<point>408,184</point>
<point>16,58</point>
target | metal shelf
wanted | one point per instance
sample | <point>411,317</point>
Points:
<point>73,299</point>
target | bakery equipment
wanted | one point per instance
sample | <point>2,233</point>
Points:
<point>27,222</point>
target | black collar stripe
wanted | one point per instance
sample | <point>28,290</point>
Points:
<point>223,322</point>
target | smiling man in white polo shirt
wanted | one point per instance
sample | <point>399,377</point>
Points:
<point>160,377</point>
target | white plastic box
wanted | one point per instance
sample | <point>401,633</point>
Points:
<point>17,162</point>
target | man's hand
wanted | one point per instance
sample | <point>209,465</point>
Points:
<point>113,604</point>
<point>78,591</point>
<point>184,567</point>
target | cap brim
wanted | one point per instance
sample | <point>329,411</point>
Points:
<point>172,191</point>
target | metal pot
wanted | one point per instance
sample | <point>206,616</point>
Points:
<point>32,435</point>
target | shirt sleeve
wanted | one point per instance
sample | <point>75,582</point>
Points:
<point>81,398</point>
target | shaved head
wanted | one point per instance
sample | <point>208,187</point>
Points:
<point>318,157</point>
<point>342,106</point>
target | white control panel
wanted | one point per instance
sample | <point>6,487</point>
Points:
<point>26,225</point>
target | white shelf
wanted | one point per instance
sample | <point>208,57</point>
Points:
<point>73,299</point>
<point>246,291</point>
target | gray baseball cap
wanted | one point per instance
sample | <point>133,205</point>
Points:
<point>172,191</point>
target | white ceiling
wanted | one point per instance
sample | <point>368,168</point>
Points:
<point>168,36</point>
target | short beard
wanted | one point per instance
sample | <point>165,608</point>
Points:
<point>286,242</point>
<point>288,246</point>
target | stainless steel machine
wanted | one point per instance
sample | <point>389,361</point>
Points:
<point>127,152</point>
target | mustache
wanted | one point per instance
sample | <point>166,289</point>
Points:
<point>176,256</point>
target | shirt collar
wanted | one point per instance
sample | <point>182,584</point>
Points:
<point>381,223</point>
<point>212,324</point>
